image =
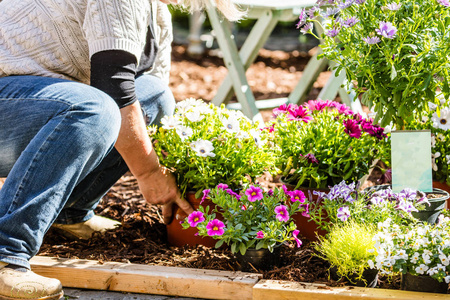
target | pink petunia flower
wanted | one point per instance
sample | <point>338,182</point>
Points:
<point>297,240</point>
<point>297,195</point>
<point>282,213</point>
<point>215,227</point>
<point>260,235</point>
<point>254,193</point>
<point>222,186</point>
<point>195,218</point>
<point>205,195</point>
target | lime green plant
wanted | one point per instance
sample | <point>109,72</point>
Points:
<point>348,248</point>
<point>204,145</point>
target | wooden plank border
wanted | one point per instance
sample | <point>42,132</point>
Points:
<point>198,283</point>
<point>147,279</point>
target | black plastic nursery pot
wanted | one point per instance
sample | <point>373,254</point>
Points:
<point>425,284</point>
<point>261,259</point>
<point>369,278</point>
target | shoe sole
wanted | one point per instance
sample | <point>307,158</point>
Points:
<point>50,297</point>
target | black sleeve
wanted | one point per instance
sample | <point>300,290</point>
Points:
<point>114,72</point>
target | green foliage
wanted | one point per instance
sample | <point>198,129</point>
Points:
<point>233,155</point>
<point>322,134</point>
<point>248,224</point>
<point>401,73</point>
<point>348,248</point>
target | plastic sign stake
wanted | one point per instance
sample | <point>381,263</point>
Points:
<point>411,160</point>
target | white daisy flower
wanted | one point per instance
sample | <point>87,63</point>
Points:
<point>433,160</point>
<point>184,132</point>
<point>203,148</point>
<point>432,106</point>
<point>442,121</point>
<point>425,119</point>
<point>421,269</point>
<point>441,137</point>
<point>231,124</point>
<point>170,122</point>
<point>256,135</point>
<point>194,116</point>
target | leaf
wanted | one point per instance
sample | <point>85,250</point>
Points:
<point>426,83</point>
<point>219,243</point>
<point>242,248</point>
<point>393,72</point>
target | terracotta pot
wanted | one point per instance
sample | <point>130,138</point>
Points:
<point>177,236</point>
<point>443,186</point>
<point>423,284</point>
<point>308,228</point>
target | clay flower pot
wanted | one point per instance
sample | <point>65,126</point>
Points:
<point>177,236</point>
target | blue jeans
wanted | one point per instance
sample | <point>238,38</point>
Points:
<point>56,150</point>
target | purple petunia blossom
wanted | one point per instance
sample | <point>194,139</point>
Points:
<point>393,6</point>
<point>254,193</point>
<point>444,2</point>
<point>222,186</point>
<point>215,227</point>
<point>282,213</point>
<point>297,240</point>
<point>350,22</point>
<point>352,128</point>
<point>372,40</point>
<point>307,28</point>
<point>297,195</point>
<point>302,18</point>
<point>386,30</point>
<point>205,195</point>
<point>376,200</point>
<point>260,235</point>
<point>343,213</point>
<point>305,211</point>
<point>230,192</point>
<point>333,32</point>
<point>195,218</point>
<point>285,190</point>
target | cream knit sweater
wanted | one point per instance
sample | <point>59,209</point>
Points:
<point>56,38</point>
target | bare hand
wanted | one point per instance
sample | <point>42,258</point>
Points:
<point>160,188</point>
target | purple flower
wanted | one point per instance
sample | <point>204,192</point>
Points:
<point>319,104</point>
<point>386,30</point>
<point>283,108</point>
<point>297,195</point>
<point>331,11</point>
<point>270,192</point>
<point>230,192</point>
<point>343,213</point>
<point>297,240</point>
<point>205,195</point>
<point>393,6</point>
<point>405,206</point>
<point>215,227</point>
<point>282,213</point>
<point>372,40</point>
<point>342,108</point>
<point>350,22</point>
<point>333,32</point>
<point>195,218</point>
<point>311,158</point>
<point>373,130</point>
<point>285,190</point>
<point>345,4</point>
<point>260,235</point>
<point>222,186</point>
<point>302,18</point>
<point>313,12</point>
<point>305,211</point>
<point>307,28</point>
<point>352,128</point>
<point>254,193</point>
<point>444,2</point>
<point>360,1</point>
<point>376,200</point>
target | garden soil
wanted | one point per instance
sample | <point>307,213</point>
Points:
<point>142,237</point>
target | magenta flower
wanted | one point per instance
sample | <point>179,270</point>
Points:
<point>371,40</point>
<point>343,213</point>
<point>270,192</point>
<point>282,213</point>
<point>307,28</point>
<point>195,218</point>
<point>311,158</point>
<point>283,108</point>
<point>285,190</point>
<point>352,128</point>
<point>231,193</point>
<point>319,104</point>
<point>222,186</point>
<point>260,235</point>
<point>297,240</point>
<point>305,211</point>
<point>342,108</point>
<point>301,18</point>
<point>215,227</point>
<point>205,195</point>
<point>254,193</point>
<point>444,2</point>
<point>299,113</point>
<point>297,195</point>
<point>386,30</point>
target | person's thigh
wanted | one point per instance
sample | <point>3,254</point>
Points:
<point>28,103</point>
<point>155,97</point>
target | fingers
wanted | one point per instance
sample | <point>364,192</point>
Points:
<point>167,213</point>
<point>184,205</point>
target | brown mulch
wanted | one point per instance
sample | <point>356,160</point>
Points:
<point>142,238</point>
